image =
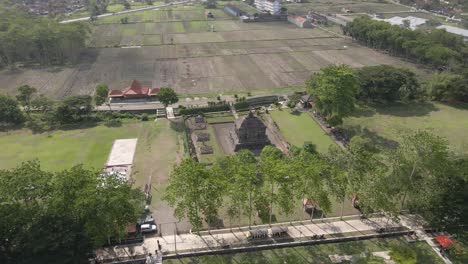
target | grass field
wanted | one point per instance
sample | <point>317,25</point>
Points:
<point>62,149</point>
<point>300,128</point>
<point>385,124</point>
<point>317,253</point>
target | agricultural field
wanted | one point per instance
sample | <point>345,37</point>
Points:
<point>176,48</point>
<point>299,128</point>
<point>319,253</point>
<point>385,124</point>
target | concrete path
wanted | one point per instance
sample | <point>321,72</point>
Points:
<point>170,112</point>
<point>416,224</point>
<point>217,239</point>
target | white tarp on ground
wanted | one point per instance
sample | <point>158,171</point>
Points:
<point>122,152</point>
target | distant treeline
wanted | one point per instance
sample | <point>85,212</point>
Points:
<point>29,39</point>
<point>436,48</point>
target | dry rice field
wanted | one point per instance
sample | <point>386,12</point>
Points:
<point>185,55</point>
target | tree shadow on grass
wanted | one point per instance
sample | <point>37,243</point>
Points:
<point>374,138</point>
<point>405,109</point>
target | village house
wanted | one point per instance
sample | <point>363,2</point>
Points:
<point>134,91</point>
<point>300,21</point>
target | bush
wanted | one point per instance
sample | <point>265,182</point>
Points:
<point>144,117</point>
<point>112,122</point>
<point>241,105</point>
<point>403,254</point>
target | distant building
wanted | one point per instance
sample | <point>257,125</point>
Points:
<point>135,91</point>
<point>412,22</point>
<point>271,6</point>
<point>300,21</point>
<point>455,30</point>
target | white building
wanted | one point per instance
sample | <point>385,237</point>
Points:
<point>413,22</point>
<point>455,30</point>
<point>272,6</point>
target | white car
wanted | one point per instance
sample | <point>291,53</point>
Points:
<point>148,228</point>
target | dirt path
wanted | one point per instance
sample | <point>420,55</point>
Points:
<point>157,152</point>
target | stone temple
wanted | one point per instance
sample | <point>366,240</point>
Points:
<point>249,133</point>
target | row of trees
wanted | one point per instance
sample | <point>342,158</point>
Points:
<point>421,174</point>
<point>29,39</point>
<point>437,48</point>
<point>60,217</point>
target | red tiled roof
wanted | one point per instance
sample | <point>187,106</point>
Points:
<point>154,91</point>
<point>135,90</point>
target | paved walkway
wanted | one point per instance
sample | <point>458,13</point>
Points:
<point>413,223</point>
<point>237,237</point>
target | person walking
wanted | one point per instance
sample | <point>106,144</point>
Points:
<point>159,246</point>
<point>150,259</point>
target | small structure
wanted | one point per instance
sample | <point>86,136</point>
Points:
<point>134,91</point>
<point>249,133</point>
<point>209,15</point>
<point>300,21</point>
<point>202,137</point>
<point>204,149</point>
<point>199,119</point>
<point>306,101</point>
<point>444,241</point>
<point>315,17</point>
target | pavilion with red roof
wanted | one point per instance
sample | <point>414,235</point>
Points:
<point>444,241</point>
<point>135,91</point>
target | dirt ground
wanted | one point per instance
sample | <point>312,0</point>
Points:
<point>240,57</point>
<point>157,152</point>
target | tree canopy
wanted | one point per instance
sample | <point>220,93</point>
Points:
<point>59,217</point>
<point>387,83</point>
<point>10,112</point>
<point>448,87</point>
<point>101,94</point>
<point>334,89</point>
<point>25,38</point>
<point>73,109</point>
<point>436,48</point>
<point>167,96</point>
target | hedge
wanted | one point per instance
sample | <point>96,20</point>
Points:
<point>194,111</point>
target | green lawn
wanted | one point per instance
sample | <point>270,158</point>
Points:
<point>317,253</point>
<point>385,124</point>
<point>62,149</point>
<point>210,158</point>
<point>300,128</point>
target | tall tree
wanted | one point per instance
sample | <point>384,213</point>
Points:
<point>25,94</point>
<point>101,94</point>
<point>448,87</point>
<point>10,112</point>
<point>73,109</point>
<point>334,90</point>
<point>167,96</point>
<point>272,169</point>
<point>60,217</point>
<point>194,191</point>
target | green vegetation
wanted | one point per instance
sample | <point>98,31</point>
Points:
<point>60,217</point>
<point>101,94</point>
<point>167,96</point>
<point>436,48</point>
<point>299,128</point>
<point>210,158</point>
<point>26,39</point>
<point>62,149</point>
<point>384,124</point>
<point>334,90</point>
<point>317,253</point>
<point>10,112</point>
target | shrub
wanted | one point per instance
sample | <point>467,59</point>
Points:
<point>241,105</point>
<point>144,117</point>
<point>112,122</point>
<point>403,254</point>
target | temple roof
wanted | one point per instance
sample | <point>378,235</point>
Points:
<point>134,90</point>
